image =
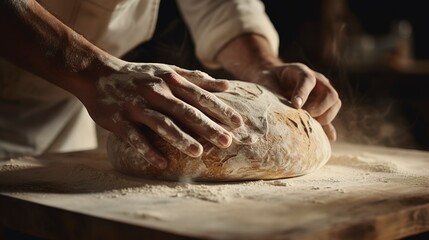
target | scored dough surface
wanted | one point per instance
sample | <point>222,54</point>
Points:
<point>276,141</point>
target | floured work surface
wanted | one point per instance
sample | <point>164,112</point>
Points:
<point>363,192</point>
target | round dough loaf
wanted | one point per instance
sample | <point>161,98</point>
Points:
<point>276,141</point>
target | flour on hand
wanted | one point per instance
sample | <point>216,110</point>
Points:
<point>276,141</point>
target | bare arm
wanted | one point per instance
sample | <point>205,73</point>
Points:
<point>120,96</point>
<point>35,40</point>
<point>250,58</point>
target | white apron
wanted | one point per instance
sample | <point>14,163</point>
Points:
<point>36,116</point>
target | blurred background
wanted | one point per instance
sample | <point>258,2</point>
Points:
<point>374,52</point>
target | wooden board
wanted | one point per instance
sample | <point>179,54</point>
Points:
<point>362,193</point>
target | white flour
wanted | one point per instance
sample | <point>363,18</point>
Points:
<point>134,84</point>
<point>275,141</point>
<point>343,173</point>
<point>358,185</point>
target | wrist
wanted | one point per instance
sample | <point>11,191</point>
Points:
<point>85,64</point>
<point>257,70</point>
<point>247,56</point>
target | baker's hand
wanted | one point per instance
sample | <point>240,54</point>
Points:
<point>165,99</point>
<point>307,89</point>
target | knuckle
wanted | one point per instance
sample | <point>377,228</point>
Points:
<point>171,77</point>
<point>308,77</point>
<point>300,65</point>
<point>192,115</point>
<point>198,74</point>
<point>314,111</point>
<point>332,95</point>
<point>208,100</point>
<point>340,103</point>
<point>322,77</point>
<point>323,119</point>
<point>193,91</point>
<point>157,98</point>
<point>316,108</point>
<point>305,74</point>
<point>305,68</point>
<point>156,81</point>
<point>165,123</point>
<point>168,75</point>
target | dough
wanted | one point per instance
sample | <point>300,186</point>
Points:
<point>276,141</point>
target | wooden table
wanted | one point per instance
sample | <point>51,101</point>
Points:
<point>362,193</point>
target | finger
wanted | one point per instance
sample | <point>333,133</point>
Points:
<point>203,80</point>
<point>196,121</point>
<point>165,128</point>
<point>324,98</point>
<point>305,83</point>
<point>134,137</point>
<point>330,132</point>
<point>209,104</point>
<point>330,114</point>
<point>165,102</point>
<point>203,100</point>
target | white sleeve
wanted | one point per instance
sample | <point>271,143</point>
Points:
<point>213,23</point>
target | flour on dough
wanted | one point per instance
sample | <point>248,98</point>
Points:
<point>276,141</point>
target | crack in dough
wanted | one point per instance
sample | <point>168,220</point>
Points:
<point>267,146</point>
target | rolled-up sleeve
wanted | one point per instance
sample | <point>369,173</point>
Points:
<point>213,23</point>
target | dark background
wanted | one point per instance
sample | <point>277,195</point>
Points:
<point>385,94</point>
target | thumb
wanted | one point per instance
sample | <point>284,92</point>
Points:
<point>304,85</point>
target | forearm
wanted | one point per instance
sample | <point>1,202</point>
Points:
<point>247,56</point>
<point>250,58</point>
<point>38,42</point>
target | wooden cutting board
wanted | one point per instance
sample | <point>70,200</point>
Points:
<point>362,193</point>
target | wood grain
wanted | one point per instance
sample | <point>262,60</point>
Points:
<point>337,202</point>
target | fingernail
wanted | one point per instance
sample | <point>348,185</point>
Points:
<point>224,140</point>
<point>195,150</point>
<point>237,119</point>
<point>298,101</point>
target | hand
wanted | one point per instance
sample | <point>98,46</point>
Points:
<point>164,98</point>
<point>119,96</point>
<point>307,89</point>
<point>250,57</point>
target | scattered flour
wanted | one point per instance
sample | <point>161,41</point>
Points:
<point>365,163</point>
<point>19,163</point>
<point>354,184</point>
<point>276,141</point>
<point>343,174</point>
